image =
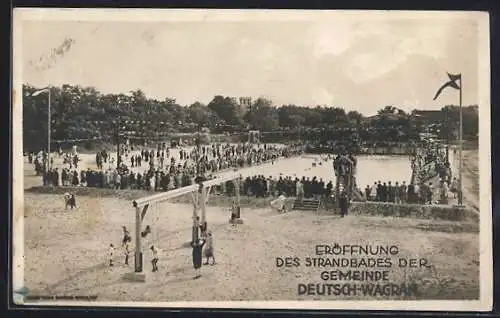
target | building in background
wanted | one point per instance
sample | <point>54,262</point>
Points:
<point>246,103</point>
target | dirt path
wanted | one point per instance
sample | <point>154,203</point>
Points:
<point>470,176</point>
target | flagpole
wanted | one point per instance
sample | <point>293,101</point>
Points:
<point>49,129</point>
<point>460,194</point>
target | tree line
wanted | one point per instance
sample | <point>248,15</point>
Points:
<point>85,113</point>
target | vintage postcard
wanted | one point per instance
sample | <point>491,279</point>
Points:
<point>277,159</point>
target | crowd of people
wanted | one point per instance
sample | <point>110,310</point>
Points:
<point>162,170</point>
<point>432,159</point>
<point>307,187</point>
<point>426,193</point>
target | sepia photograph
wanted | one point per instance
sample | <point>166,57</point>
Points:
<point>273,159</point>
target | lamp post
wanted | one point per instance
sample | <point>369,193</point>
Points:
<point>198,151</point>
<point>46,90</point>
<point>460,185</point>
<point>453,79</point>
<point>118,132</point>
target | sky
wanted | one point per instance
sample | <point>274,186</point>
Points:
<point>359,62</point>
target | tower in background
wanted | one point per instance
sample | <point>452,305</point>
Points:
<point>246,103</point>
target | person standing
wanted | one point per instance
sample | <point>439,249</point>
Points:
<point>118,182</point>
<point>126,235</point>
<point>430,193</point>
<point>197,249</point>
<point>300,191</point>
<point>454,186</point>
<point>391,194</point>
<point>155,259</point>
<point>379,192</point>
<point>404,192</point>
<point>72,201</point>
<point>417,190</point>
<point>397,193</point>
<point>209,248</point>
<point>443,189</point>
<point>375,192</point>
<point>344,204</point>
<point>368,191</point>
<point>111,254</point>
<point>126,250</point>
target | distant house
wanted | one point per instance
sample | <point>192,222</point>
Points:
<point>373,118</point>
<point>428,136</point>
<point>246,102</point>
<point>429,116</point>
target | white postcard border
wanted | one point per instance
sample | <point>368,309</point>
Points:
<point>152,15</point>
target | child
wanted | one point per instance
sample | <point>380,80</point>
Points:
<point>111,253</point>
<point>126,248</point>
<point>67,197</point>
<point>72,201</point>
<point>155,259</point>
<point>209,249</point>
<point>126,236</point>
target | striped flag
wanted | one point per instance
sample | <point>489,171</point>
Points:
<point>38,92</point>
<point>451,83</point>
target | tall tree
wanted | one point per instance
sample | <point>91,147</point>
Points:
<point>201,114</point>
<point>263,115</point>
<point>227,109</point>
<point>355,117</point>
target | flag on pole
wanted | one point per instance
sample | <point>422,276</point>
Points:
<point>38,92</point>
<point>451,83</point>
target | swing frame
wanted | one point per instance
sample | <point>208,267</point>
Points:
<point>199,196</point>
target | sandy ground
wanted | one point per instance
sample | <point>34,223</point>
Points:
<point>67,252</point>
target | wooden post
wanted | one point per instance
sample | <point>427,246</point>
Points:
<point>138,241</point>
<point>203,195</point>
<point>118,154</point>
<point>460,150</point>
<point>195,199</point>
<point>49,132</point>
<point>237,197</point>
